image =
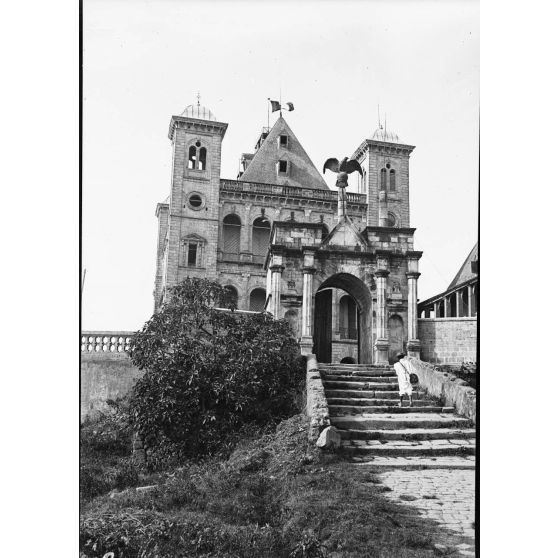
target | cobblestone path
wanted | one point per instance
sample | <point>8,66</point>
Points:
<point>424,455</point>
<point>445,496</point>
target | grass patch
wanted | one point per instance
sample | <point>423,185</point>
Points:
<point>273,497</point>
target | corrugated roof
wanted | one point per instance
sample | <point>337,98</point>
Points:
<point>263,167</point>
<point>466,272</point>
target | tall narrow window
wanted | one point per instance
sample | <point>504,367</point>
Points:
<point>392,180</point>
<point>284,141</point>
<point>383,179</point>
<point>192,254</point>
<point>203,157</point>
<point>260,238</point>
<point>231,237</point>
<point>283,167</point>
<point>192,248</point>
<point>192,157</point>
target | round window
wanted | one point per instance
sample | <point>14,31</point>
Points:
<point>195,201</point>
<point>198,144</point>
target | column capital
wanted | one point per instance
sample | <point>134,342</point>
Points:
<point>277,268</point>
<point>412,274</point>
<point>381,273</point>
<point>309,270</point>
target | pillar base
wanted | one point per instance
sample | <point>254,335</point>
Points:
<point>381,352</point>
<point>413,348</point>
<point>306,345</point>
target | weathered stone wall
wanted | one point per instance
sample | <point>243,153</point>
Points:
<point>451,389</point>
<point>317,409</point>
<point>104,376</point>
<point>448,340</point>
<point>342,349</point>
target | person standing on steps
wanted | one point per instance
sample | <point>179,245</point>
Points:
<point>403,379</point>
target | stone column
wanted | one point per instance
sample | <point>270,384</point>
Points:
<point>382,343</point>
<point>413,343</point>
<point>276,271</point>
<point>308,270</point>
<point>341,203</point>
<point>459,303</point>
<point>446,307</point>
<point>470,296</point>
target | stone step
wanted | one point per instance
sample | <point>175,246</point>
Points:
<point>365,394</point>
<point>359,374</point>
<point>352,366</point>
<point>409,434</point>
<point>391,386</point>
<point>375,402</point>
<point>404,448</point>
<point>409,420</point>
<point>415,463</point>
<point>336,410</point>
<point>363,379</point>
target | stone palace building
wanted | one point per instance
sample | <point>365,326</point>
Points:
<point>343,273</point>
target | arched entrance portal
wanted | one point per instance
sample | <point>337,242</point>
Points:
<point>323,323</point>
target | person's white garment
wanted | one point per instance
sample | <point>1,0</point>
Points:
<point>405,387</point>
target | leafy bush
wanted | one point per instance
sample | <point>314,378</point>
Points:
<point>105,448</point>
<point>209,372</point>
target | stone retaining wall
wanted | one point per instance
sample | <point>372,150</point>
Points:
<point>451,389</point>
<point>104,376</point>
<point>316,403</point>
<point>448,340</point>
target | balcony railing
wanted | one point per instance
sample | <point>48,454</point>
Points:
<point>105,341</point>
<point>287,191</point>
<point>348,333</point>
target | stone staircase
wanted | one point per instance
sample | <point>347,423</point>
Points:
<point>363,402</point>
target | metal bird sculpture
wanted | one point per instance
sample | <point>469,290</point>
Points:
<point>343,169</point>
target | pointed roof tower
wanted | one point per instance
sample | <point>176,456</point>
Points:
<point>282,160</point>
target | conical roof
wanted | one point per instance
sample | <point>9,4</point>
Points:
<point>301,170</point>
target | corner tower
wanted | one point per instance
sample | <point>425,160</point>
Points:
<point>385,163</point>
<point>188,220</point>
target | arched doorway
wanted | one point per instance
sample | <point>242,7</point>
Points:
<point>360,294</point>
<point>257,300</point>
<point>396,337</point>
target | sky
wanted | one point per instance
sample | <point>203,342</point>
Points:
<point>336,61</point>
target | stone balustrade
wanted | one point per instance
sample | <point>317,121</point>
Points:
<point>116,342</point>
<point>288,191</point>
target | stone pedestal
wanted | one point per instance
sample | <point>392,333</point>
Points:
<point>306,345</point>
<point>381,352</point>
<point>413,348</point>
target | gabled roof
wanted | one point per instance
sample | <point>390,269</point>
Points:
<point>345,233</point>
<point>466,272</point>
<point>263,167</point>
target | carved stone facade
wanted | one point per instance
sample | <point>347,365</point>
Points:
<point>275,238</point>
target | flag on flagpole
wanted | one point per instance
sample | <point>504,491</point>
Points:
<point>276,105</point>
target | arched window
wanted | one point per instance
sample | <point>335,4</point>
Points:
<point>231,297</point>
<point>391,220</point>
<point>260,236</point>
<point>197,157</point>
<point>192,157</point>
<point>383,179</point>
<point>347,318</point>
<point>257,300</point>
<point>392,180</point>
<point>203,158</point>
<point>231,237</point>
<point>192,251</point>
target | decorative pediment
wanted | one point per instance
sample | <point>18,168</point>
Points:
<point>193,237</point>
<point>344,234</point>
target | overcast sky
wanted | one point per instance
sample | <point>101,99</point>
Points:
<point>336,61</point>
